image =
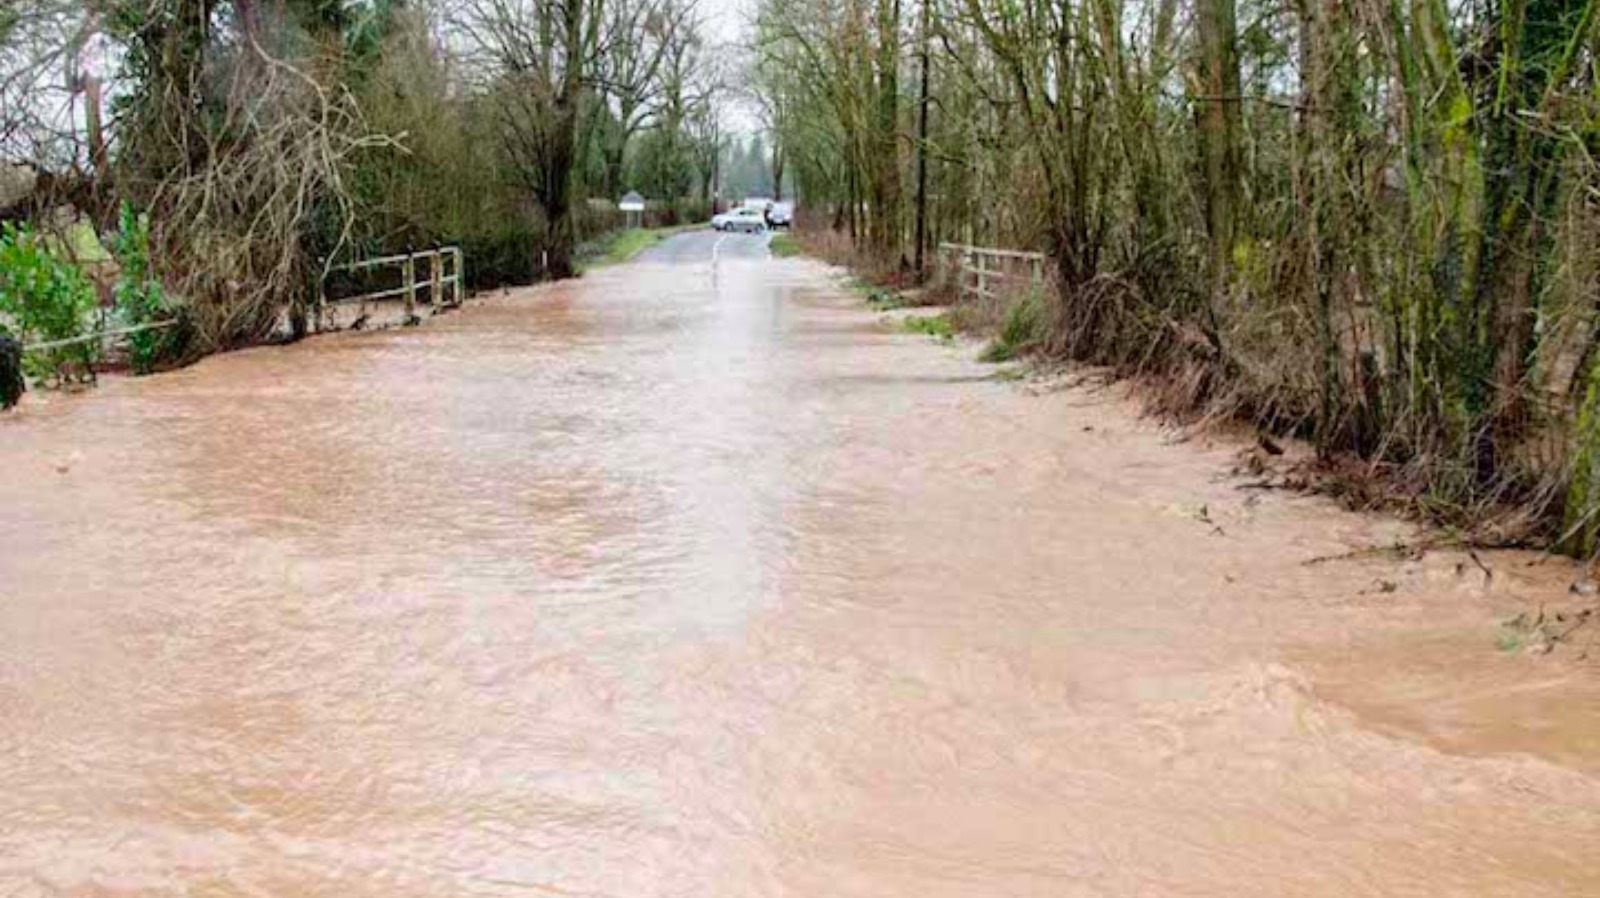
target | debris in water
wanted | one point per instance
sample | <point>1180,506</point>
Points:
<point>1542,632</point>
<point>1488,575</point>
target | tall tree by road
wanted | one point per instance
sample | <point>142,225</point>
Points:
<point>539,52</point>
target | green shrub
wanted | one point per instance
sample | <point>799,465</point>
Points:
<point>1021,330</point>
<point>44,299</point>
<point>140,298</point>
<point>502,256</point>
<point>937,326</point>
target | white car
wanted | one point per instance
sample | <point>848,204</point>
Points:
<point>750,221</point>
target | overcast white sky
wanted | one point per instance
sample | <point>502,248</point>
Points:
<point>727,22</point>
<point>727,18</point>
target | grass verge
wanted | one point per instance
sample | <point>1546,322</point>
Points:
<point>618,247</point>
<point>784,246</point>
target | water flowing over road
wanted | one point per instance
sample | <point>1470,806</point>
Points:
<point>695,578</point>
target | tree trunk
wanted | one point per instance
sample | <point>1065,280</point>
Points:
<point>778,163</point>
<point>560,237</point>
<point>615,153</point>
<point>855,205</point>
<point>1328,177</point>
<point>884,192</point>
<point>99,161</point>
<point>1521,192</point>
<point>1219,135</point>
<point>922,145</point>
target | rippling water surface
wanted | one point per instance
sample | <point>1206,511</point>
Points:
<point>698,580</point>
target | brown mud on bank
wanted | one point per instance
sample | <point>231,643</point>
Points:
<point>687,580</point>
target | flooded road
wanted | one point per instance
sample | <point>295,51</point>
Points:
<point>694,578</point>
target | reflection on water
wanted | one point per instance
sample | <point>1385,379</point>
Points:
<point>658,584</point>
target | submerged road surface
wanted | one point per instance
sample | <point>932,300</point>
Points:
<point>693,578</point>
<point>705,247</point>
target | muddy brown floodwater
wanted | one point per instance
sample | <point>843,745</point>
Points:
<point>699,580</point>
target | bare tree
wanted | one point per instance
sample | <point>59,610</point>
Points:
<point>634,42</point>
<point>50,101</point>
<point>537,54</point>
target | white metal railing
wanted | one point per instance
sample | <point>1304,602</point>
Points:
<point>437,279</point>
<point>978,267</point>
<point>98,334</point>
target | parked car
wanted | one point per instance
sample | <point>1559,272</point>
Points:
<point>781,215</point>
<point>750,221</point>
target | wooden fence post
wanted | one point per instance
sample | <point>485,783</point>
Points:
<point>436,270</point>
<point>982,271</point>
<point>410,274</point>
<point>459,284</point>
